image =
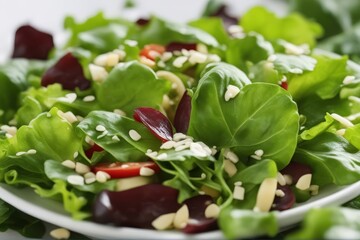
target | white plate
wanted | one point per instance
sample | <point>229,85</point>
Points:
<point>50,211</point>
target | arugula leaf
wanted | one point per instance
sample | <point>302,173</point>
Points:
<point>244,123</point>
<point>332,158</point>
<point>129,86</point>
<point>293,28</point>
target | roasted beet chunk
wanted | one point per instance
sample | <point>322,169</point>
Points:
<point>285,200</point>
<point>178,46</point>
<point>182,115</point>
<point>136,207</point>
<point>67,72</point>
<point>228,20</point>
<point>198,222</point>
<point>31,43</point>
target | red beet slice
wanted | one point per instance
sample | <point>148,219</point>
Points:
<point>142,21</point>
<point>136,207</point>
<point>182,115</point>
<point>94,148</point>
<point>155,121</point>
<point>285,202</point>
<point>296,170</point>
<point>178,46</point>
<point>68,72</point>
<point>224,15</point>
<point>31,43</point>
<point>198,222</point>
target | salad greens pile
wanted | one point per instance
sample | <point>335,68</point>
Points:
<point>262,97</point>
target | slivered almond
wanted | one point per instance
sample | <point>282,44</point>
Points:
<point>304,182</point>
<point>266,194</point>
<point>181,217</point>
<point>164,221</point>
<point>212,211</point>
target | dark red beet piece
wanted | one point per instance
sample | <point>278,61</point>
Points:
<point>142,21</point>
<point>94,148</point>
<point>284,85</point>
<point>182,115</point>
<point>296,170</point>
<point>155,121</point>
<point>285,202</point>
<point>198,222</point>
<point>31,43</point>
<point>177,46</point>
<point>227,19</point>
<point>68,72</point>
<point>136,207</point>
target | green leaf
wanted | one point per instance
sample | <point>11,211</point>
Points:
<point>352,134</point>
<point>326,223</point>
<point>295,64</point>
<point>325,80</point>
<point>293,28</point>
<point>318,129</point>
<point>252,48</point>
<point>238,223</point>
<point>163,32</point>
<point>332,158</point>
<point>129,86</point>
<point>212,25</point>
<point>122,147</point>
<point>244,123</point>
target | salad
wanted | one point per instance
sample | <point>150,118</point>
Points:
<point>219,123</point>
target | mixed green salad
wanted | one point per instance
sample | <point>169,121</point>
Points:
<point>219,123</point>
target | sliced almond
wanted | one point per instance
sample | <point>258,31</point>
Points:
<point>164,221</point>
<point>60,233</point>
<point>212,211</point>
<point>230,167</point>
<point>266,194</point>
<point>304,182</point>
<point>181,217</point>
<point>132,182</point>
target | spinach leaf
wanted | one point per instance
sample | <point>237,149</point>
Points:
<point>131,85</point>
<point>244,123</point>
<point>332,158</point>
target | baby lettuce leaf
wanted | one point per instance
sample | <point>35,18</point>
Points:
<point>295,64</point>
<point>293,28</point>
<point>131,85</point>
<point>213,26</point>
<point>26,225</point>
<point>332,159</point>
<point>14,79</point>
<point>325,80</point>
<point>97,33</point>
<point>163,32</point>
<point>329,223</point>
<point>352,134</point>
<point>252,48</point>
<point>123,148</point>
<point>244,123</point>
<point>239,223</point>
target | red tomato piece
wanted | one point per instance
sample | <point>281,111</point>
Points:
<point>151,51</point>
<point>125,169</point>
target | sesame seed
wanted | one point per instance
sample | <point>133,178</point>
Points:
<point>89,98</point>
<point>98,74</point>
<point>60,234</point>
<point>182,147</point>
<point>235,29</point>
<point>185,52</point>
<point>148,62</point>
<point>162,156</point>
<point>198,150</point>
<point>154,54</point>
<point>134,135</point>
<point>179,61</point>
<point>89,177</point>
<point>119,112</point>
<point>166,56</point>
<point>202,48</point>
<point>131,43</point>
<point>348,80</point>
<point>231,92</point>
<point>109,59</point>
<point>259,152</point>
<point>179,136</point>
<point>69,164</point>
<point>272,58</point>
<point>152,154</point>
<point>31,151</point>
<point>81,168</point>
<point>102,177</point>
<point>115,138</point>
<point>293,49</point>
<point>168,145</point>
<point>161,64</point>
<point>20,153</point>
<point>203,176</point>
<point>213,58</point>
<point>145,171</point>
<point>75,180</point>
<point>100,128</point>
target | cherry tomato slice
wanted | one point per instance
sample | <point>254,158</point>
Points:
<point>126,169</point>
<point>151,51</point>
